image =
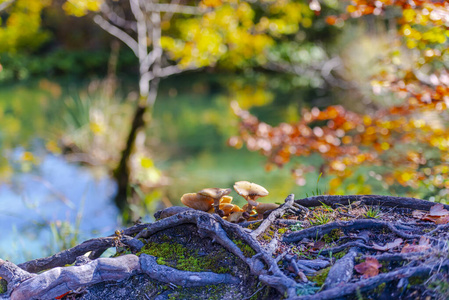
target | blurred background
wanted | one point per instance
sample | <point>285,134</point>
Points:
<point>111,110</point>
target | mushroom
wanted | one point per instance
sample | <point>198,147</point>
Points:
<point>197,201</point>
<point>250,191</point>
<point>236,217</point>
<point>226,199</point>
<point>264,207</point>
<point>215,194</point>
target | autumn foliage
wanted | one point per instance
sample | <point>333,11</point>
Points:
<point>409,138</point>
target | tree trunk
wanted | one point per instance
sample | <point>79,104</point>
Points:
<point>123,172</point>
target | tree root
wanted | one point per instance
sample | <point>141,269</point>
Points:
<point>57,281</point>
<point>318,231</point>
<point>341,271</point>
<point>69,256</point>
<point>289,205</point>
<point>372,200</point>
<point>351,289</point>
<point>260,255</point>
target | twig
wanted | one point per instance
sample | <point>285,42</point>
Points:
<point>274,215</point>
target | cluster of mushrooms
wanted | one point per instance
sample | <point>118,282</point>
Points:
<point>216,200</point>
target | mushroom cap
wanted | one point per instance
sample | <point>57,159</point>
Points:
<point>250,190</point>
<point>214,193</point>
<point>197,201</point>
<point>227,208</point>
<point>235,217</point>
<point>226,199</point>
<point>263,207</point>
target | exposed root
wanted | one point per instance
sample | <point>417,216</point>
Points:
<point>372,200</point>
<point>351,289</point>
<point>275,241</point>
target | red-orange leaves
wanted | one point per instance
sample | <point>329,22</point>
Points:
<point>368,268</point>
<point>388,246</point>
<point>437,214</point>
<point>424,244</point>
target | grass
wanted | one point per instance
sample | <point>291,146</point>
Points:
<point>373,212</point>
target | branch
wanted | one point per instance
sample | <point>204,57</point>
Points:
<point>5,4</point>
<point>171,70</point>
<point>116,19</point>
<point>118,33</point>
<point>174,8</point>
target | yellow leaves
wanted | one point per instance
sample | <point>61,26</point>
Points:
<point>211,3</point>
<point>80,8</point>
<point>409,15</point>
<point>248,96</point>
<point>226,33</point>
<point>22,30</point>
<point>28,156</point>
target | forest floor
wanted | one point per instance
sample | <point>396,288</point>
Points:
<point>322,247</point>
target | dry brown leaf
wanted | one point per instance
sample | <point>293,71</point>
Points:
<point>424,244</point>
<point>438,211</point>
<point>437,214</point>
<point>388,246</point>
<point>318,245</point>
<point>368,268</point>
<point>443,220</point>
<point>418,214</point>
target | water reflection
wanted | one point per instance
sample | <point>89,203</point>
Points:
<point>36,203</point>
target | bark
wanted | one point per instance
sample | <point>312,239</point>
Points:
<point>270,262</point>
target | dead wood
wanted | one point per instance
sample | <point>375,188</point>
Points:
<point>371,283</point>
<point>318,231</point>
<point>372,200</point>
<point>341,272</point>
<point>278,261</point>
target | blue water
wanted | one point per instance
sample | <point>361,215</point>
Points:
<point>56,191</point>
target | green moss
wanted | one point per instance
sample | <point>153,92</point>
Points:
<point>268,236</point>
<point>335,234</point>
<point>246,249</point>
<point>182,258</point>
<point>340,254</point>
<point>3,286</point>
<point>320,276</point>
<point>282,230</point>
<point>416,280</point>
<point>254,225</point>
<point>380,288</point>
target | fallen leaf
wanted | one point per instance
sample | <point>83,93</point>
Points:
<point>388,246</point>
<point>443,220</point>
<point>438,211</point>
<point>424,244</point>
<point>418,214</point>
<point>318,245</point>
<point>368,268</point>
<point>437,214</point>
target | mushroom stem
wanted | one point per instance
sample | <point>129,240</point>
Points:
<point>217,210</point>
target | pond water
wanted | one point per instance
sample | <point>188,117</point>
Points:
<point>48,204</point>
<point>34,208</point>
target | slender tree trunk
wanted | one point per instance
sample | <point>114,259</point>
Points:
<point>123,172</point>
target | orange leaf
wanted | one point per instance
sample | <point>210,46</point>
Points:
<point>443,220</point>
<point>63,295</point>
<point>368,268</point>
<point>423,245</point>
<point>438,211</point>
